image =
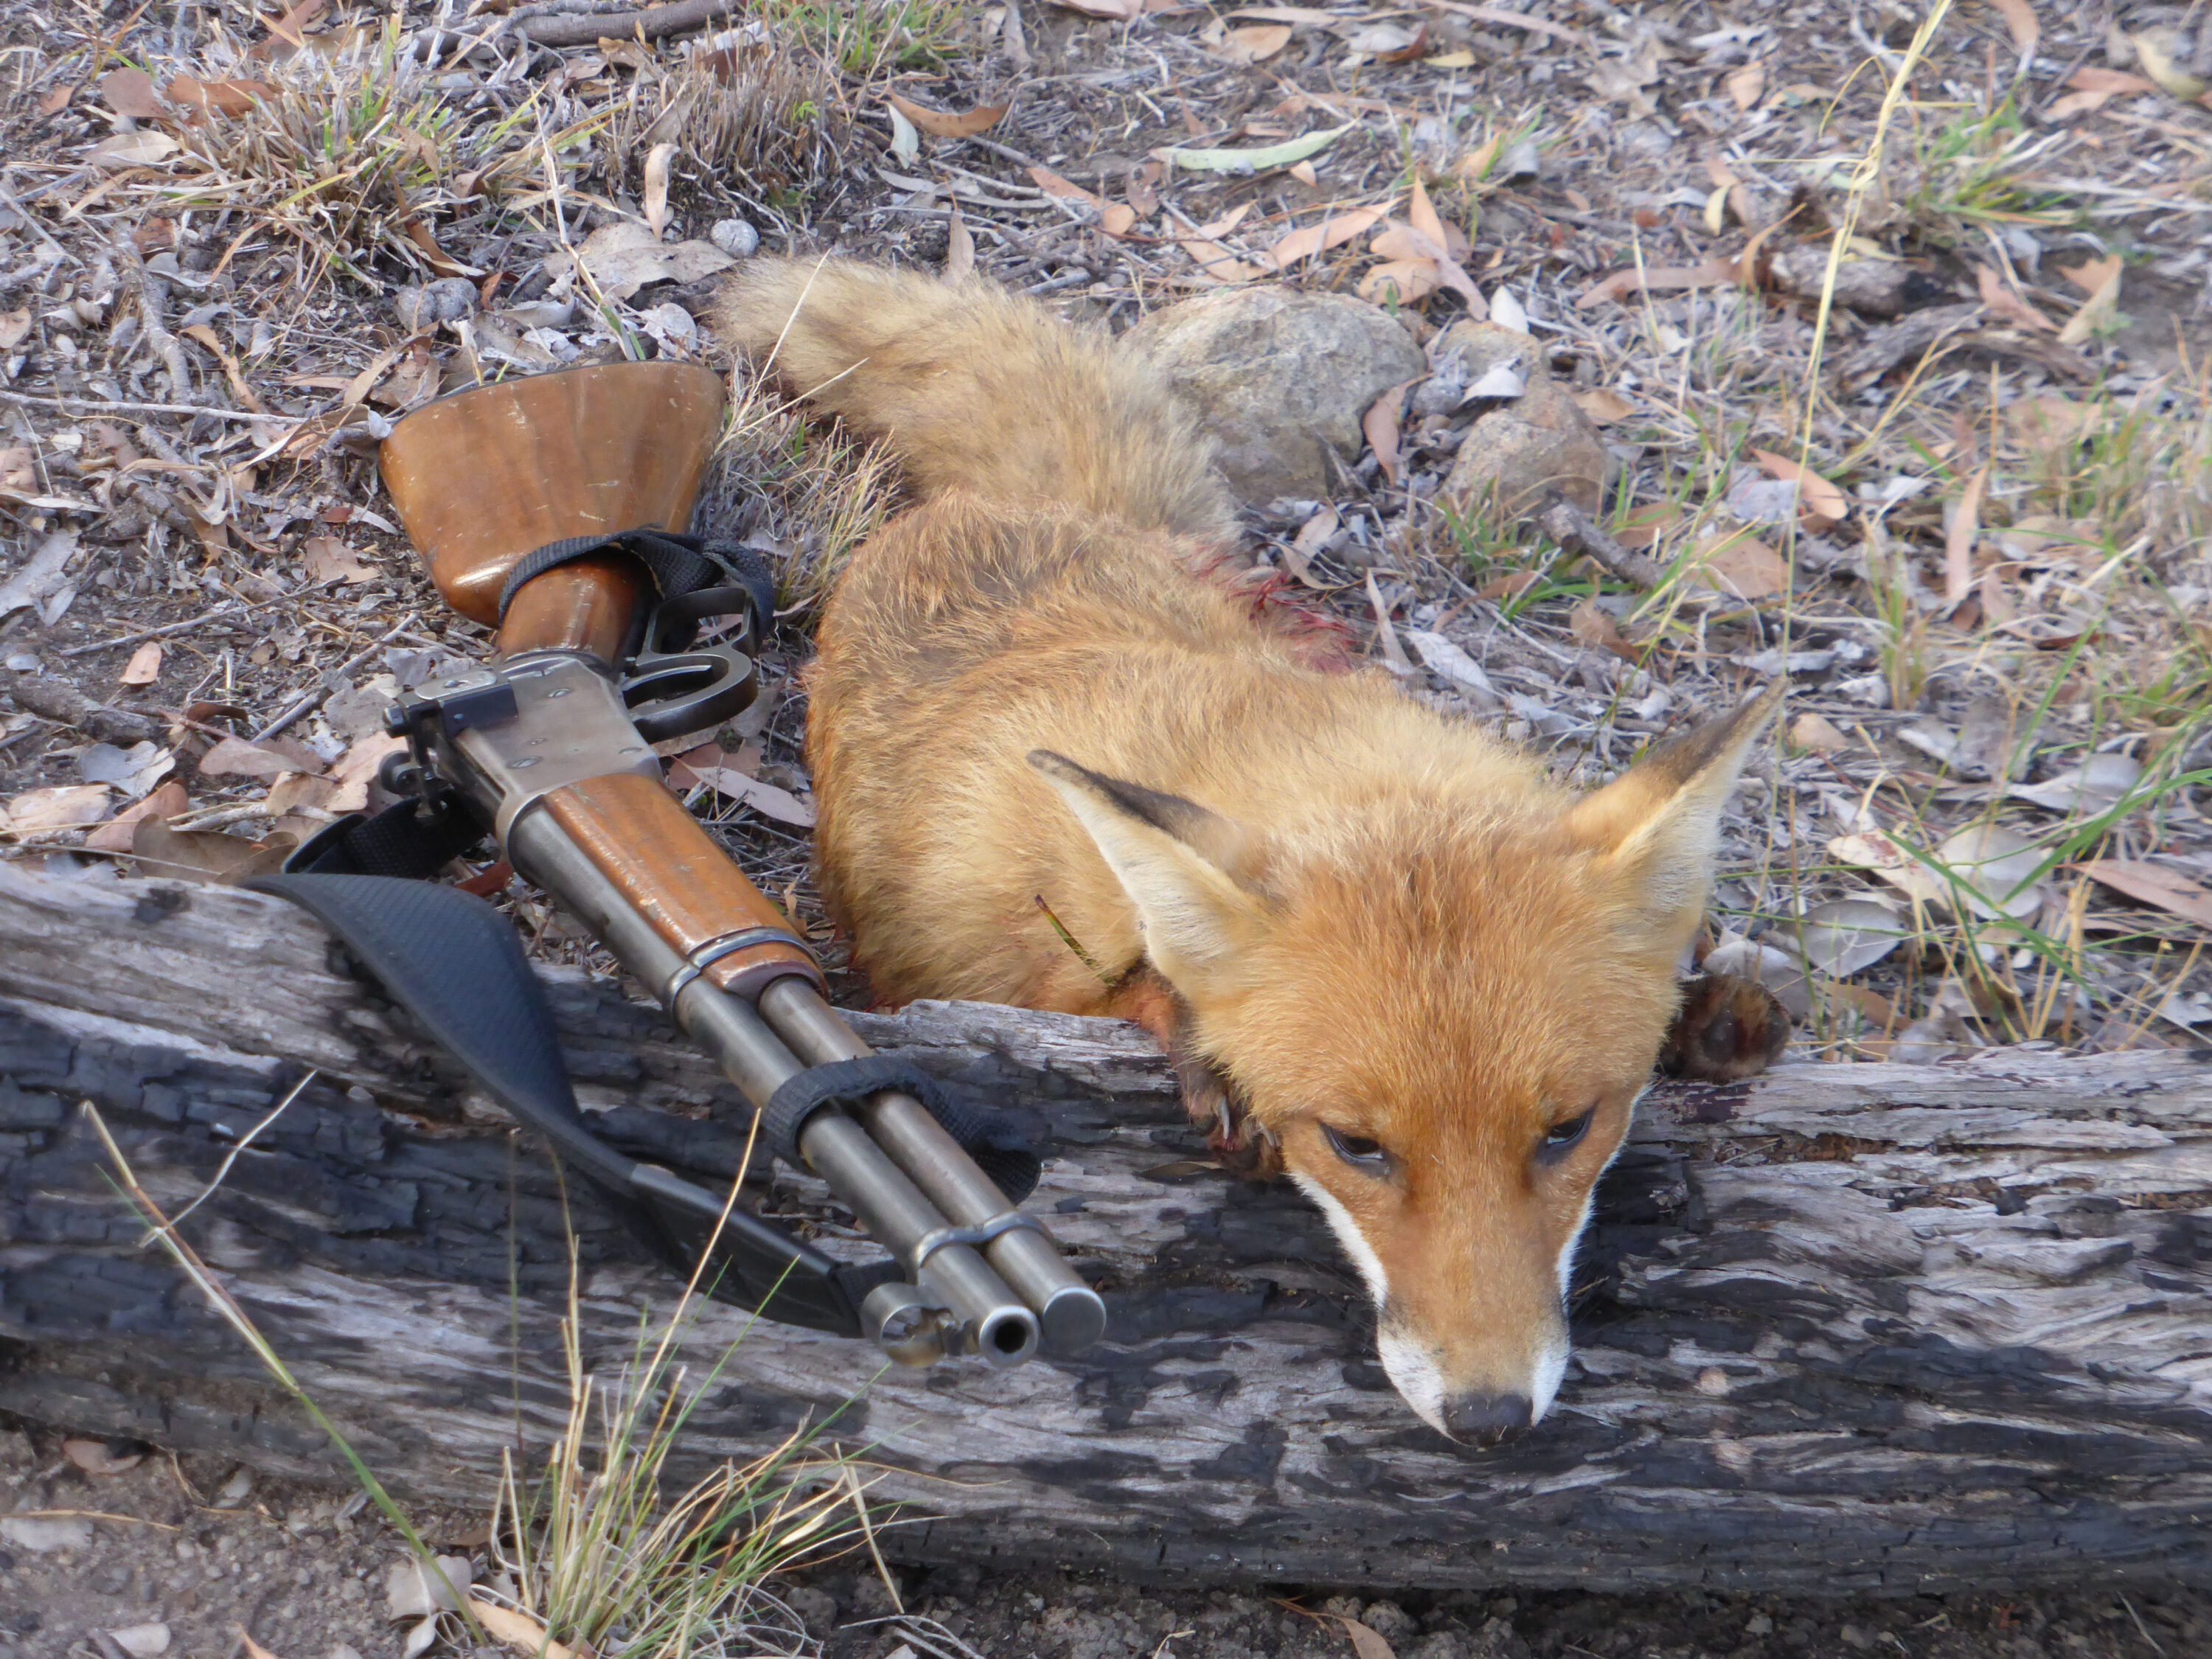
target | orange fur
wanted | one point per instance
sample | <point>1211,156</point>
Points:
<point>1341,908</point>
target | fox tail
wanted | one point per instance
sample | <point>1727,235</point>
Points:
<point>976,389</point>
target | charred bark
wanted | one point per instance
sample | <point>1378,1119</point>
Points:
<point>1840,1328</point>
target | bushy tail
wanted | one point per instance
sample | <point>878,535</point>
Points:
<point>974,388</point>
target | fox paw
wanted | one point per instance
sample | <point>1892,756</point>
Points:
<point>1728,1029</point>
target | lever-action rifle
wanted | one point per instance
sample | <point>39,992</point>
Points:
<point>551,508</point>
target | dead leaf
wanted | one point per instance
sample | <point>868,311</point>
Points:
<point>657,162</point>
<point>2101,279</point>
<point>144,667</point>
<point>1394,654</point>
<point>1312,535</point>
<point>1656,279</point>
<point>1999,296</point>
<point>1602,404</point>
<point>1511,585</point>
<point>2093,89</point>
<point>2153,885</point>
<point>134,771</point>
<point>1119,11</point>
<point>14,329</point>
<point>93,1457</point>
<point>1302,243</point>
<point>298,792</point>
<point>2155,51</point>
<point>115,835</point>
<point>233,97</point>
<point>1740,566</point>
<point>234,757</point>
<point>356,769</point>
<point>201,334</point>
<point>1367,1641</point>
<point>253,1648</point>
<point>624,257</point>
<point>763,798</point>
<point>1380,424</point>
<point>205,855</point>
<point>1116,219</point>
<point>943,124</point>
<point>62,806</point>
<point>1252,45</point>
<point>1820,504</point>
<point>330,560</point>
<point>1746,86</point>
<point>2020,21</point>
<point>1401,282</point>
<point>1817,733</point>
<point>1959,541</point>
<point>131,149</point>
<point>130,92</point>
<point>1593,629</point>
<point>521,1631</point>
<point>959,248</point>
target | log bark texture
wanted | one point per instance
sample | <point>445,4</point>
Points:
<point>1851,1329</point>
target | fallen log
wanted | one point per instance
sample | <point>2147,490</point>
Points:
<point>1845,1329</point>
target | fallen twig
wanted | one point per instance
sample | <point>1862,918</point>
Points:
<point>53,698</point>
<point>105,406</point>
<point>313,699</point>
<point>1571,527</point>
<point>161,632</point>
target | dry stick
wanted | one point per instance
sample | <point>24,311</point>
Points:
<point>145,634</point>
<point>314,698</point>
<point>103,406</point>
<point>1571,527</point>
<point>569,29</point>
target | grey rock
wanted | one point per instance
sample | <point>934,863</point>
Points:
<point>1879,288</point>
<point>735,238</point>
<point>446,300</point>
<point>1281,378</point>
<point>1523,452</point>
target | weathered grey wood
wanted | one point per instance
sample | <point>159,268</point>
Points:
<point>1851,1329</point>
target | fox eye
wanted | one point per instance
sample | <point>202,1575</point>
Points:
<point>1363,1154</point>
<point>1565,1135</point>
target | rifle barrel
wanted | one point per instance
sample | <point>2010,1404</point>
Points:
<point>996,1323</point>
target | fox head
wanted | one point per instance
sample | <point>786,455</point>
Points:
<point>1442,1018</point>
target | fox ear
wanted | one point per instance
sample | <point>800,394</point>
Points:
<point>1190,873</point>
<point>1659,822</point>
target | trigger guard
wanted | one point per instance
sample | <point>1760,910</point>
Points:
<point>703,688</point>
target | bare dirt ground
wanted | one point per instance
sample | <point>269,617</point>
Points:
<point>1887,357</point>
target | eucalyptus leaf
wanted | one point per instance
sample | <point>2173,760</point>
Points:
<point>1245,162</point>
<point>1847,936</point>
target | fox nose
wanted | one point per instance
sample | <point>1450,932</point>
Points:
<point>1485,1419</point>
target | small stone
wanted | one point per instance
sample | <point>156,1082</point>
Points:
<point>735,238</point>
<point>1280,378</point>
<point>42,1533</point>
<point>446,300</point>
<point>1522,452</point>
<point>1389,1621</point>
<point>1759,1625</point>
<point>1857,1637</point>
<point>146,1640</point>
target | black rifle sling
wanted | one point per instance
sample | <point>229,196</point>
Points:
<point>696,578</point>
<point>454,963</point>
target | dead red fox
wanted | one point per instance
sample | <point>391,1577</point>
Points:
<point>1060,763</point>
